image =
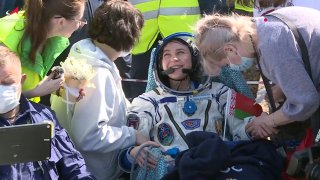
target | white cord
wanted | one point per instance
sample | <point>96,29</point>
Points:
<point>226,113</point>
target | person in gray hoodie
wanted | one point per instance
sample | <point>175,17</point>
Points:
<point>97,123</point>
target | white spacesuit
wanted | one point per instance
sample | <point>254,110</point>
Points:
<point>167,115</point>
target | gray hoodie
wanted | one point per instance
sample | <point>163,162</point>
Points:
<point>97,123</point>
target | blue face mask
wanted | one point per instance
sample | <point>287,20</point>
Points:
<point>245,64</point>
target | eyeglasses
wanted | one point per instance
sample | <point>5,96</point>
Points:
<point>81,22</point>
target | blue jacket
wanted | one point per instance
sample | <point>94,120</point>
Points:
<point>65,162</point>
<point>208,157</point>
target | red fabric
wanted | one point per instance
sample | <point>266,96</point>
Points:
<point>247,105</point>
<point>306,142</point>
<point>15,10</point>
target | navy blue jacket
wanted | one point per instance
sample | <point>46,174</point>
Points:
<point>211,158</point>
<point>65,162</point>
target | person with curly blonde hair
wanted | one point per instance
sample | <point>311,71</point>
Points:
<point>228,40</point>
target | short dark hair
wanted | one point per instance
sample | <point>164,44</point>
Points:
<point>117,24</point>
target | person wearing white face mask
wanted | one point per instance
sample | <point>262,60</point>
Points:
<point>245,63</point>
<point>9,97</point>
<point>286,43</point>
<point>15,109</point>
<point>230,73</point>
<point>98,121</point>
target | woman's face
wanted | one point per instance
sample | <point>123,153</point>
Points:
<point>233,53</point>
<point>178,57</point>
<point>61,26</point>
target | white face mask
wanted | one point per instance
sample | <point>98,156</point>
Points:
<point>245,63</point>
<point>9,98</point>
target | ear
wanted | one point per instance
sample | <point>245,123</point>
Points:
<point>23,78</point>
<point>229,49</point>
<point>58,22</point>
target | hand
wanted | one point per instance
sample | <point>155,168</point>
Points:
<point>261,127</point>
<point>143,156</point>
<point>46,86</point>
<point>140,138</point>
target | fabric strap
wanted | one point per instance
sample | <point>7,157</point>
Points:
<point>304,54</point>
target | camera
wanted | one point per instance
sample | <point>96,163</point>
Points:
<point>305,163</point>
<point>57,72</point>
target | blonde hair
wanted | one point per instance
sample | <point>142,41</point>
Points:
<point>7,56</point>
<point>214,31</point>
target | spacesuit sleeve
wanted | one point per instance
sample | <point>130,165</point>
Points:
<point>144,106</point>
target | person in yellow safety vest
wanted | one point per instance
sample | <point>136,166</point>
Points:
<point>162,18</point>
<point>242,7</point>
<point>39,35</point>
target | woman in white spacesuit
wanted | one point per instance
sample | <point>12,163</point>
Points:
<point>184,101</point>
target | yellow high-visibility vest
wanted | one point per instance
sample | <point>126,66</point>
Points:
<point>248,9</point>
<point>165,17</point>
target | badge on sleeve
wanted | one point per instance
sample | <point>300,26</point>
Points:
<point>165,134</point>
<point>133,120</point>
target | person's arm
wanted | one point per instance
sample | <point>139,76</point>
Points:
<point>46,86</point>
<point>143,111</point>
<point>99,120</point>
<point>144,107</point>
<point>284,67</point>
<point>130,155</point>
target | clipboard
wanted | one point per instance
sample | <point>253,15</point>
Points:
<point>25,143</point>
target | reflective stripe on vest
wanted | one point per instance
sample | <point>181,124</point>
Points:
<point>172,11</point>
<point>135,2</point>
<point>165,17</point>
